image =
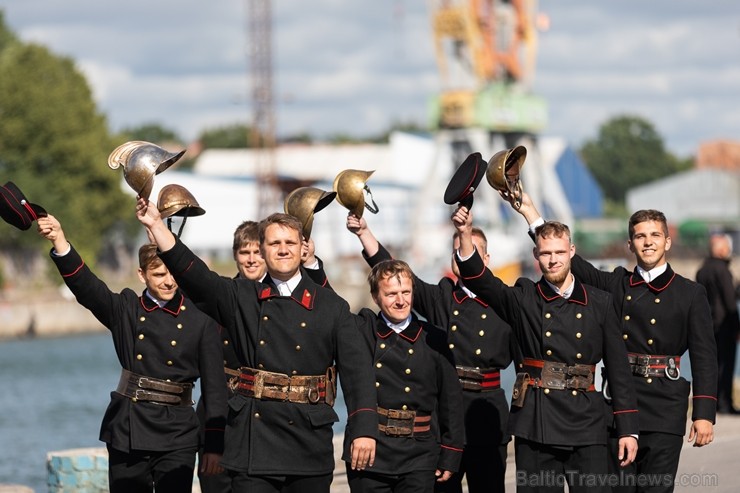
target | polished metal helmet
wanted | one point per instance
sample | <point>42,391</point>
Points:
<point>351,186</point>
<point>503,173</point>
<point>141,161</point>
<point>176,200</point>
<point>304,202</point>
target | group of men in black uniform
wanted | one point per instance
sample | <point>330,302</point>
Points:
<point>420,376</point>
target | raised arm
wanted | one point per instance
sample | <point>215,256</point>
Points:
<point>148,215</point>
<point>358,226</point>
<point>462,220</point>
<point>51,229</point>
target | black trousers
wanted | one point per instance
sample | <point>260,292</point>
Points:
<point>242,482</point>
<point>655,468</point>
<point>372,482</point>
<point>548,468</point>
<point>483,467</point>
<point>143,471</point>
<point>726,339</point>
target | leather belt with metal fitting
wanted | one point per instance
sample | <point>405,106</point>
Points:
<point>142,388</point>
<point>559,376</point>
<point>649,365</point>
<point>267,385</point>
<point>477,379</point>
<point>403,423</point>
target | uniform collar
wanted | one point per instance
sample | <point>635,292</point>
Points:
<point>410,333</point>
<point>462,293</point>
<point>303,293</point>
<point>173,306</point>
<point>658,284</point>
<point>577,296</point>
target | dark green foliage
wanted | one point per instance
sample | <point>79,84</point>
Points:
<point>628,152</point>
<point>54,145</point>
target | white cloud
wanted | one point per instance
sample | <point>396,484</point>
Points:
<point>356,67</point>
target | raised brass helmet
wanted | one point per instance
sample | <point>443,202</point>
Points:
<point>351,186</point>
<point>503,173</point>
<point>304,202</point>
<point>176,200</point>
<point>141,161</point>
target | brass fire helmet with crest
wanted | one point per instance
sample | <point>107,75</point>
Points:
<point>503,173</point>
<point>141,161</point>
<point>351,185</point>
<point>304,202</point>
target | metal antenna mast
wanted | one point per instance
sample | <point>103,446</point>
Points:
<point>263,126</point>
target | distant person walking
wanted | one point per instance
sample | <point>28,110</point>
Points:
<point>716,277</point>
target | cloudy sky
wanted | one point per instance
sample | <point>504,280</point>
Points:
<point>356,66</point>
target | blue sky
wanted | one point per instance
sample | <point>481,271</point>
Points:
<point>356,66</point>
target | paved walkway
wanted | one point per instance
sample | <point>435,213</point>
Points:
<point>714,468</point>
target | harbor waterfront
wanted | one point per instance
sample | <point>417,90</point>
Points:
<point>55,391</point>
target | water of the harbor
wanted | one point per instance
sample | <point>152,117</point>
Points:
<point>53,393</point>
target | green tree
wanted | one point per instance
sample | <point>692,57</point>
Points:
<point>152,132</point>
<point>54,145</point>
<point>236,136</point>
<point>628,152</point>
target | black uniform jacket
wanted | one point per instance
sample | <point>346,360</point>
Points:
<point>580,330</point>
<point>477,337</point>
<point>666,317</point>
<point>303,334</point>
<point>413,372</point>
<point>716,277</point>
<point>177,342</point>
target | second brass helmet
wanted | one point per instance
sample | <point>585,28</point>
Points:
<point>503,173</point>
<point>304,202</point>
<point>350,186</point>
<point>176,200</point>
<point>141,161</point>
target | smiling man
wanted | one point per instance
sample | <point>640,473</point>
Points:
<point>164,344</point>
<point>290,335</point>
<point>564,328</point>
<point>662,315</point>
<point>418,396</point>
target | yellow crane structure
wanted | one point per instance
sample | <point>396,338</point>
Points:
<point>486,51</point>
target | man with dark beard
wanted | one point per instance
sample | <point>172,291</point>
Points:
<point>564,328</point>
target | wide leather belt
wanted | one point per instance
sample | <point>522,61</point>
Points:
<point>559,376</point>
<point>267,385</point>
<point>477,379</point>
<point>650,365</point>
<point>142,388</point>
<point>403,423</point>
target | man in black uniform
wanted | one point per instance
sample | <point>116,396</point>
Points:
<point>164,344</point>
<point>288,334</point>
<point>419,398</point>
<point>249,265</point>
<point>716,277</point>
<point>564,328</point>
<point>481,345</point>
<point>662,315</point>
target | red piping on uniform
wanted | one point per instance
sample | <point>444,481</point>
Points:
<point>625,411</point>
<point>363,409</point>
<point>705,397</point>
<point>74,271</point>
<point>451,448</point>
